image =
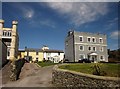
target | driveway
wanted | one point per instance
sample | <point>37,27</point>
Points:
<point>33,76</point>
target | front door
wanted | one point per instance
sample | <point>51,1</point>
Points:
<point>94,58</point>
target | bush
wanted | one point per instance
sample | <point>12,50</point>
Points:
<point>98,71</point>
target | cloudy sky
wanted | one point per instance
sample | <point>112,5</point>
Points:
<point>47,23</point>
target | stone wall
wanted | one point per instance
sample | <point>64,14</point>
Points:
<point>66,78</point>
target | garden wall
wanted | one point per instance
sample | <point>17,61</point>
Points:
<point>66,78</point>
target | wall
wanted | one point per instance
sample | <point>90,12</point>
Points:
<point>3,53</point>
<point>69,48</point>
<point>40,57</point>
<point>91,44</point>
<point>66,78</point>
<point>33,54</point>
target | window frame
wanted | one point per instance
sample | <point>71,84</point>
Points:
<point>93,48</point>
<point>90,48</point>
<point>100,39</point>
<point>94,39</point>
<point>82,55</point>
<point>103,57</point>
<point>37,53</point>
<point>88,38</point>
<point>82,38</point>
<point>82,48</point>
<point>101,48</point>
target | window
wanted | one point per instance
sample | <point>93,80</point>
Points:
<point>8,52</point>
<point>66,43</point>
<point>102,57</point>
<point>94,48</point>
<point>8,43</point>
<point>88,39</point>
<point>48,54</point>
<point>81,38</point>
<point>4,33</point>
<point>93,39</point>
<point>10,34</point>
<point>58,53</point>
<point>82,56</point>
<point>81,48</point>
<point>101,49</point>
<point>89,48</point>
<point>36,53</point>
<point>36,59</point>
<point>100,40</point>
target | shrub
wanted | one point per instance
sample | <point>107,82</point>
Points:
<point>98,71</point>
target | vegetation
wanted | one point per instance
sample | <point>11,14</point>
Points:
<point>97,70</point>
<point>101,69</point>
<point>46,63</point>
<point>114,55</point>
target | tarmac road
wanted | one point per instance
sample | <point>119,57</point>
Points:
<point>33,76</point>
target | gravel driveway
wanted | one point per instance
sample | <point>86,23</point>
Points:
<point>33,76</point>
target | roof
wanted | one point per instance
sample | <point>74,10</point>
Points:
<point>21,50</point>
<point>54,51</point>
<point>40,50</point>
<point>33,50</point>
<point>92,53</point>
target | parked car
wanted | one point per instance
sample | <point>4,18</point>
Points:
<point>84,60</point>
<point>66,60</point>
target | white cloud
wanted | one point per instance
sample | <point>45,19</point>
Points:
<point>115,34</point>
<point>80,12</point>
<point>28,13</point>
<point>25,9</point>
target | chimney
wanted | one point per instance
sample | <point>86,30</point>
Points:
<point>1,23</point>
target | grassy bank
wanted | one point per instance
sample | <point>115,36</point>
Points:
<point>43,64</point>
<point>110,69</point>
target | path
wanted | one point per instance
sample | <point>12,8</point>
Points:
<point>33,76</point>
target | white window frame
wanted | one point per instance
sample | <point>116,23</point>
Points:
<point>87,39</point>
<point>90,47</point>
<point>82,38</point>
<point>103,58</point>
<point>95,48</point>
<point>99,40</point>
<point>80,49</point>
<point>82,55</point>
<point>101,48</point>
<point>94,39</point>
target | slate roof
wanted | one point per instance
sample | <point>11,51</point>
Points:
<point>40,50</point>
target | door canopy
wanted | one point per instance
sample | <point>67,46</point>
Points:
<point>93,54</point>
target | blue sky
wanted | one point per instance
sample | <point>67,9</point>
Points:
<point>47,23</point>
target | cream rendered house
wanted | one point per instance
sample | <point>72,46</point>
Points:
<point>32,54</point>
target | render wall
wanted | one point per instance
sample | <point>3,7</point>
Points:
<point>86,44</point>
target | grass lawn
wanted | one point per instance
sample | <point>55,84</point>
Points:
<point>110,69</point>
<point>43,64</point>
